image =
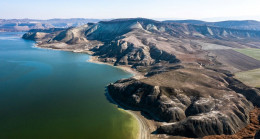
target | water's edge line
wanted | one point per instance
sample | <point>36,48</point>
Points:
<point>93,59</point>
<point>143,128</point>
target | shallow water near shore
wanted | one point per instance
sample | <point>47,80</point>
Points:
<point>57,95</point>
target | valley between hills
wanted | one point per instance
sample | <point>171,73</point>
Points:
<point>190,78</point>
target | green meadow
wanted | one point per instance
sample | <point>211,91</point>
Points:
<point>252,52</point>
<point>251,77</point>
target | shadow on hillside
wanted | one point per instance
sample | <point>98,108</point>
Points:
<point>144,114</point>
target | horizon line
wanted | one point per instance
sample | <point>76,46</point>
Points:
<point>158,19</point>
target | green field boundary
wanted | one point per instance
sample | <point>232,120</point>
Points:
<point>252,52</point>
<point>250,78</point>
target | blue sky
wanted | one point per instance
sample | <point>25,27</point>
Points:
<point>177,9</point>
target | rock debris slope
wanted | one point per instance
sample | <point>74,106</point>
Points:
<point>143,42</point>
<point>194,102</point>
<point>187,90</point>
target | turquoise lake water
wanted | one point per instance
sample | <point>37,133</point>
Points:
<point>50,94</point>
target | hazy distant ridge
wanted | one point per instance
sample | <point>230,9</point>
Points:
<point>14,25</point>
<point>28,24</point>
<point>243,24</point>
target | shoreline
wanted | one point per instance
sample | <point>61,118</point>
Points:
<point>94,59</point>
<point>146,126</point>
<point>144,132</point>
<point>136,74</point>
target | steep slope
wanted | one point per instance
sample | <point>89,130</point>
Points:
<point>187,88</point>
<point>194,102</point>
<point>144,42</point>
<point>42,34</point>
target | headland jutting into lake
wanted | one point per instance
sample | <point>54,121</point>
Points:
<point>189,87</point>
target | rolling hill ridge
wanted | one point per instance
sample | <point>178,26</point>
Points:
<point>187,84</point>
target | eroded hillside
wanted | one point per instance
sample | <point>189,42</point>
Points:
<point>188,70</point>
<point>195,102</point>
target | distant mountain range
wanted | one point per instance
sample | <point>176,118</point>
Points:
<point>15,25</point>
<point>243,24</point>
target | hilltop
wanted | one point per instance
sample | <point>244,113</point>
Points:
<point>188,84</point>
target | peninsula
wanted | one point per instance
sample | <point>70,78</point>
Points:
<point>185,85</point>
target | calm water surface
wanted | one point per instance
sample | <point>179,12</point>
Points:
<point>52,94</point>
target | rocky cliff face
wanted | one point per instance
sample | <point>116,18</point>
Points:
<point>42,34</point>
<point>186,86</point>
<point>194,103</point>
<point>143,42</point>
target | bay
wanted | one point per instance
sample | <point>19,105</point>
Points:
<point>50,94</point>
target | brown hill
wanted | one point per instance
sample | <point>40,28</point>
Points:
<point>187,67</point>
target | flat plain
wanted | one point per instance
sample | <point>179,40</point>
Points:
<point>252,52</point>
<point>250,77</point>
<point>237,60</point>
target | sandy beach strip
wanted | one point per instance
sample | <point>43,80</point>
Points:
<point>94,59</point>
<point>144,131</point>
<point>136,74</point>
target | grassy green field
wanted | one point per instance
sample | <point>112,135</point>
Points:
<point>251,77</point>
<point>254,53</point>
